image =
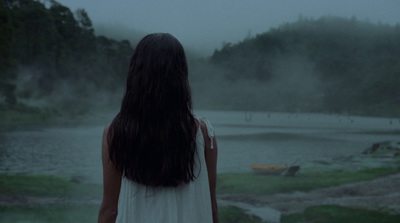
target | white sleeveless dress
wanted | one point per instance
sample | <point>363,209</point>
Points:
<point>188,203</point>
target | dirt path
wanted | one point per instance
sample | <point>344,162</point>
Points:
<point>381,193</point>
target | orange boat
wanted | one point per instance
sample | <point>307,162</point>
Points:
<point>269,169</point>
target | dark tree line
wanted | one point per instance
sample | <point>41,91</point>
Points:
<point>357,63</point>
<point>324,65</point>
<point>60,47</point>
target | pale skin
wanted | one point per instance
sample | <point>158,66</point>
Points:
<point>112,179</point>
<point>211,162</point>
<point>111,185</point>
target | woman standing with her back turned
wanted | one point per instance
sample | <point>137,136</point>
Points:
<point>159,159</point>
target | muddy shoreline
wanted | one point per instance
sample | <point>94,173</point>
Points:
<point>378,194</point>
<point>381,193</point>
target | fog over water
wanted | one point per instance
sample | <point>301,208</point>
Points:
<point>205,25</point>
<point>270,138</point>
<point>277,79</point>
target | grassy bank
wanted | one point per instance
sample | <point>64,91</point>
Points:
<point>80,210</point>
<point>334,214</point>
<point>250,183</point>
<point>46,186</point>
<point>22,115</point>
<point>229,183</point>
<point>88,213</point>
<point>47,214</point>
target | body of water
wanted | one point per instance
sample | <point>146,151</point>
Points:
<point>243,139</point>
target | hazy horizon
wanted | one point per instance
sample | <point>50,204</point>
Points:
<point>204,25</point>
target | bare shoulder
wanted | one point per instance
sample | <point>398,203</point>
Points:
<point>208,133</point>
<point>105,139</point>
<point>203,128</point>
<point>106,130</point>
<point>107,127</point>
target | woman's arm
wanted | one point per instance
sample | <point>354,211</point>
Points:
<point>111,185</point>
<point>211,162</point>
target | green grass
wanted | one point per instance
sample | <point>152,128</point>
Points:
<point>25,117</point>
<point>55,186</point>
<point>250,183</point>
<point>15,119</point>
<point>21,113</point>
<point>230,214</point>
<point>88,213</point>
<point>22,116</point>
<point>335,214</point>
<point>381,152</point>
<point>239,183</point>
<point>46,186</point>
<point>44,214</point>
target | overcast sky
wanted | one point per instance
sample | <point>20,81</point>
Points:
<point>205,24</point>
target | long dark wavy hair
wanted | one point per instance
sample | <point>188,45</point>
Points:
<point>152,139</point>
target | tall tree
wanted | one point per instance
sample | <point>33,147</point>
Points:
<point>7,65</point>
<point>34,31</point>
<point>86,36</point>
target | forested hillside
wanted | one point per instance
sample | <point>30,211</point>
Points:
<point>51,58</point>
<point>329,64</point>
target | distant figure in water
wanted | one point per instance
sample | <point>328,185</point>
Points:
<point>159,159</point>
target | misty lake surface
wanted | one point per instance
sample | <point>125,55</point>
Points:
<point>243,139</point>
